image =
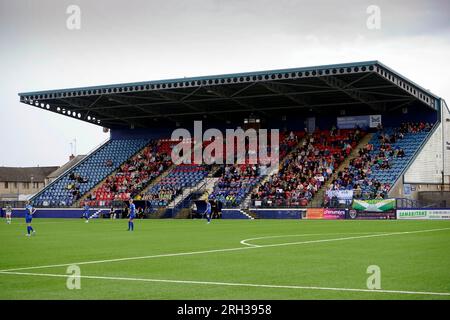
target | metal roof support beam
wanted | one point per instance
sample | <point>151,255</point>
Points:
<point>274,108</point>
<point>127,101</point>
<point>240,98</point>
<point>174,98</point>
<point>86,106</point>
<point>404,104</point>
<point>359,79</point>
<point>278,88</point>
<point>115,116</point>
<point>352,92</point>
<point>228,94</point>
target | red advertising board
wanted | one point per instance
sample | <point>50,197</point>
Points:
<point>314,213</point>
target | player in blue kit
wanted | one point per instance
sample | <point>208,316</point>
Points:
<point>29,211</point>
<point>131,216</point>
<point>208,211</point>
<point>86,209</point>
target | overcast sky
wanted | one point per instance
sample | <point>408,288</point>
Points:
<point>139,40</point>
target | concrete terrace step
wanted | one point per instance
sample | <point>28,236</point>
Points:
<point>236,214</point>
<point>211,182</point>
<point>186,192</point>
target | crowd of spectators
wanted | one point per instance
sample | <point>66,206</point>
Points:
<point>234,183</point>
<point>74,185</point>
<point>305,170</point>
<point>164,195</point>
<point>357,176</point>
<point>180,177</point>
<point>134,175</point>
<point>238,180</point>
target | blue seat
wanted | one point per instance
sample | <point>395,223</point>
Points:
<point>93,167</point>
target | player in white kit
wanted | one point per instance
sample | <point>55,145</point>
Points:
<point>8,213</point>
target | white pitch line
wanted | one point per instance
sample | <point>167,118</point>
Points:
<point>272,286</point>
<point>350,238</point>
<point>245,242</point>
<point>221,250</point>
<point>127,259</point>
<point>38,223</point>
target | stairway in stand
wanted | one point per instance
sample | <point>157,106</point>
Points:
<point>317,201</point>
<point>157,179</point>
<point>80,202</point>
<point>210,183</point>
<point>247,202</point>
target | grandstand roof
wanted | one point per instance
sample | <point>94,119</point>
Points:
<point>354,87</point>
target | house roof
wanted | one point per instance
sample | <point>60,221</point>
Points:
<point>30,174</point>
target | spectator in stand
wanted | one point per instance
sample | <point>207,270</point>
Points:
<point>307,168</point>
<point>140,213</point>
<point>357,175</point>
<point>112,213</point>
<point>379,197</point>
<point>135,174</point>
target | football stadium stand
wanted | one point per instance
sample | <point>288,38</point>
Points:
<point>238,180</point>
<point>65,190</point>
<point>303,173</point>
<point>180,177</point>
<point>358,127</point>
<point>381,162</point>
<point>134,175</point>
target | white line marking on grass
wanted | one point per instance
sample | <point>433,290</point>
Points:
<point>221,250</point>
<point>128,259</point>
<point>38,223</point>
<point>350,238</point>
<point>272,286</point>
<point>245,242</point>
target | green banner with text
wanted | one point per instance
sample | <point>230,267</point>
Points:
<point>374,205</point>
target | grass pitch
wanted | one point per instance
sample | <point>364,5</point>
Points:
<point>228,259</point>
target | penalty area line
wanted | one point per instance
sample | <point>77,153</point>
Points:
<point>230,284</point>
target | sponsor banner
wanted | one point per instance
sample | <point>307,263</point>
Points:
<point>371,121</point>
<point>423,214</point>
<point>407,189</point>
<point>314,213</point>
<point>361,215</point>
<point>278,213</point>
<point>333,214</point>
<point>342,195</point>
<point>374,120</point>
<point>374,205</point>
